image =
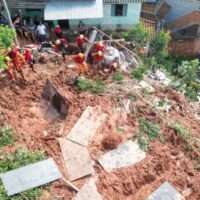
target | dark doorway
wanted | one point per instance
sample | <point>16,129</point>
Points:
<point>64,23</point>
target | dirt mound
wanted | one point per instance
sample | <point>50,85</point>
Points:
<point>112,141</point>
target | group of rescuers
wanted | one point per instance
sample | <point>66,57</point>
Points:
<point>15,58</point>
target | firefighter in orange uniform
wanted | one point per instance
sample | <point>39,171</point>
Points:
<point>80,60</point>
<point>98,58</point>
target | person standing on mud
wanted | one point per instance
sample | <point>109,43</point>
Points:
<point>17,59</point>
<point>80,60</point>
<point>80,41</point>
<point>29,58</point>
<point>61,45</point>
<point>58,32</point>
<point>8,68</point>
<point>98,59</point>
<point>41,29</point>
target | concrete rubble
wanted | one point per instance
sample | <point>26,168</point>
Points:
<point>88,192</point>
<point>86,126</point>
<point>164,192</point>
<point>76,158</point>
<point>30,176</point>
<point>125,155</point>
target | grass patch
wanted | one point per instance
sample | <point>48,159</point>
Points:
<point>139,72</point>
<point>96,86</point>
<point>142,141</point>
<point>147,132</point>
<point>19,159</point>
<point>118,76</point>
<point>152,130</point>
<point>183,134</point>
<point>6,136</point>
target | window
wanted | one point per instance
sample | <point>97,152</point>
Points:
<point>119,10</point>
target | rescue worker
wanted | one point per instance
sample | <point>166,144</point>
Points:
<point>80,40</point>
<point>58,32</point>
<point>17,59</point>
<point>8,68</point>
<point>80,60</point>
<point>61,45</point>
<point>114,66</point>
<point>99,47</point>
<point>29,58</point>
<point>98,58</point>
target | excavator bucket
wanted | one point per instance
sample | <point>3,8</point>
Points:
<point>57,101</point>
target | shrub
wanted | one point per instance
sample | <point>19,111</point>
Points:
<point>139,72</point>
<point>6,136</point>
<point>159,46</point>
<point>84,84</point>
<point>139,34</point>
<point>118,76</point>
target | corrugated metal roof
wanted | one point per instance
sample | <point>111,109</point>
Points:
<point>25,4</point>
<point>73,10</point>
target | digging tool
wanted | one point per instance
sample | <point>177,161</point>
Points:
<point>70,185</point>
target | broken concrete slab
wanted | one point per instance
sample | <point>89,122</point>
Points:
<point>87,125</point>
<point>77,159</point>
<point>146,86</point>
<point>88,192</point>
<point>166,192</point>
<point>125,155</point>
<point>30,176</point>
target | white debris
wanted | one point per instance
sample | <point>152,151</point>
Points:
<point>146,86</point>
<point>161,77</point>
<point>88,192</point>
<point>165,192</point>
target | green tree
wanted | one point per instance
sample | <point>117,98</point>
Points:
<point>139,33</point>
<point>6,40</point>
<point>159,46</point>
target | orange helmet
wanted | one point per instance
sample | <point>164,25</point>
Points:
<point>100,53</point>
<point>27,49</point>
<point>100,44</point>
<point>58,42</point>
<point>9,49</point>
<point>7,59</point>
<point>80,55</point>
<point>114,65</point>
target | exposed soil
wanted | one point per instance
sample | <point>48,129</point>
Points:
<point>38,127</point>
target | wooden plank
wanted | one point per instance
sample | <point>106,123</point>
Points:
<point>88,192</point>
<point>77,159</point>
<point>86,126</point>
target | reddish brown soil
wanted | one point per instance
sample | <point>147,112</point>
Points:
<point>112,141</point>
<point>38,129</point>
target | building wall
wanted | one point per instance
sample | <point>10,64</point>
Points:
<point>186,48</point>
<point>180,8</point>
<point>193,17</point>
<point>110,22</point>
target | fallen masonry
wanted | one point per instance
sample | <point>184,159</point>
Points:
<point>125,155</point>
<point>30,176</point>
<point>164,192</point>
<point>87,125</point>
<point>88,192</point>
<point>76,158</point>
